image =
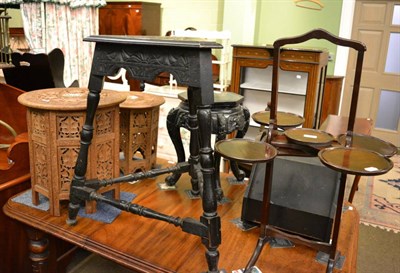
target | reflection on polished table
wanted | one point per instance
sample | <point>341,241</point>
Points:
<point>146,245</point>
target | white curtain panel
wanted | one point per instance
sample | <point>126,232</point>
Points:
<point>71,3</point>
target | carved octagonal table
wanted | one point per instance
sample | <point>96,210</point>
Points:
<point>55,117</point>
<point>139,131</point>
<point>190,62</point>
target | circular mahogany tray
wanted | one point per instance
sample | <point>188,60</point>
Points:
<point>355,161</point>
<point>244,150</point>
<point>309,136</point>
<point>284,120</point>
<point>370,143</point>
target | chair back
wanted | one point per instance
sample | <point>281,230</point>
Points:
<point>30,72</point>
<point>36,71</point>
<point>317,34</point>
<point>56,63</point>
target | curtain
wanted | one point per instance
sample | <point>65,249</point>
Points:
<point>71,3</point>
<point>63,24</point>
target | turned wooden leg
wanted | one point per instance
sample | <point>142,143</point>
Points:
<point>194,158</point>
<point>39,252</point>
<point>333,255</point>
<point>264,221</point>
<point>78,181</point>
<point>210,215</point>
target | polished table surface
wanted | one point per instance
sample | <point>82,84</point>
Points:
<point>146,245</point>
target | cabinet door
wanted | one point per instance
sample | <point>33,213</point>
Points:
<point>120,21</point>
<point>300,80</point>
<point>256,89</point>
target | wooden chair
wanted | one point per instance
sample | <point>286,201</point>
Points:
<point>56,62</point>
<point>336,158</point>
<point>36,71</point>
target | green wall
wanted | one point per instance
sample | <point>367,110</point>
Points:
<point>283,18</point>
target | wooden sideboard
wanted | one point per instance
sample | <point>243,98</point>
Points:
<point>301,81</point>
<point>130,18</point>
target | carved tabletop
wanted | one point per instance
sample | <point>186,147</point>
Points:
<point>64,99</point>
<point>139,100</point>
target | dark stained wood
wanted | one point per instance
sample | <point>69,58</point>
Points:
<point>147,245</point>
<point>267,228</point>
<point>144,58</point>
<point>32,71</point>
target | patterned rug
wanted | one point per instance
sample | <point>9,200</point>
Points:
<point>378,199</point>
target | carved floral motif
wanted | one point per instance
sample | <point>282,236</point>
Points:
<point>69,126</point>
<point>40,163</point>
<point>143,63</point>
<point>141,120</point>
<point>104,160</point>
<point>104,122</point>
<point>67,159</point>
<point>39,123</point>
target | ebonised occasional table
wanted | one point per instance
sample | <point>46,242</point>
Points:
<point>145,57</point>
